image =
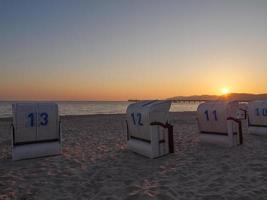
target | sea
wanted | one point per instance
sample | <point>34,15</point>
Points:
<point>95,107</point>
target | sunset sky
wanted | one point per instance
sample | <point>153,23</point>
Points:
<point>135,49</point>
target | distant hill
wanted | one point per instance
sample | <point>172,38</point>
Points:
<point>232,96</point>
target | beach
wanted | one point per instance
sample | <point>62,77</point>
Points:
<point>95,164</point>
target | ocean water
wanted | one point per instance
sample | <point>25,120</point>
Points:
<point>95,107</point>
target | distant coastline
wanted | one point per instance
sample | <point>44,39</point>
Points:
<point>244,97</point>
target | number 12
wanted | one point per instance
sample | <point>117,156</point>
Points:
<point>139,118</point>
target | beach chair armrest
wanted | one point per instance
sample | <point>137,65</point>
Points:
<point>234,119</point>
<point>238,121</point>
<point>166,125</point>
<point>170,133</point>
<point>245,112</point>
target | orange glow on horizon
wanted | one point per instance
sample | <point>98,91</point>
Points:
<point>111,93</point>
<point>134,84</point>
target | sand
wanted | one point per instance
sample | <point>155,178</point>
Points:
<point>95,164</point>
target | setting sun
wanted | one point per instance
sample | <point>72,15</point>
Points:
<point>225,91</point>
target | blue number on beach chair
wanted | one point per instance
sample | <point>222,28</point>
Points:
<point>215,115</point>
<point>207,115</point>
<point>264,112</point>
<point>258,112</point>
<point>213,112</point>
<point>31,120</point>
<point>139,119</point>
<point>44,119</point>
<point>133,118</point>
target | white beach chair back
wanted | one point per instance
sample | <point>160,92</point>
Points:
<point>257,117</point>
<point>143,136</point>
<point>36,130</point>
<point>218,124</point>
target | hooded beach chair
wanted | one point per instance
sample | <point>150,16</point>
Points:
<point>218,124</point>
<point>148,130</point>
<point>35,130</point>
<point>257,117</point>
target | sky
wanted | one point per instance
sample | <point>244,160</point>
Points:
<point>131,49</point>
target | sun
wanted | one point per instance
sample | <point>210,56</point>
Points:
<point>225,91</point>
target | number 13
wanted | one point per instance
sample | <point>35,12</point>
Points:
<point>43,119</point>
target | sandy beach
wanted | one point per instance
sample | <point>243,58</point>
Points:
<point>95,164</point>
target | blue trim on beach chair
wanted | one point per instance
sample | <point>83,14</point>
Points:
<point>214,133</point>
<point>13,132</point>
<point>127,129</point>
<point>148,103</point>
